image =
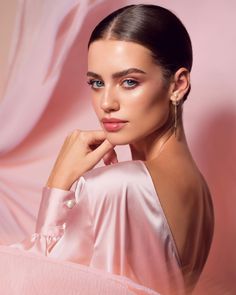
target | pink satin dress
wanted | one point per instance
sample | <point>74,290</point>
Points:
<point>114,222</point>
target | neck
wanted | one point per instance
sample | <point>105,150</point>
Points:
<point>151,146</point>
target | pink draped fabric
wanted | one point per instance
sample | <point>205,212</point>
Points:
<point>29,112</point>
<point>47,276</point>
<point>45,98</point>
<point>44,34</point>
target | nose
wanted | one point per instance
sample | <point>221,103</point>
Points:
<point>109,101</point>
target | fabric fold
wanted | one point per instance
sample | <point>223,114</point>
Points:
<point>53,210</point>
<point>102,225</point>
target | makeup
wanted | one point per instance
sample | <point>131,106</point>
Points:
<point>113,126</point>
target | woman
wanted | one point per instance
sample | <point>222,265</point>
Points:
<point>149,219</point>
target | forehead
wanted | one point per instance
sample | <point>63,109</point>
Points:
<point>115,55</point>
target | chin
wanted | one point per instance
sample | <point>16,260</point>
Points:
<point>118,139</point>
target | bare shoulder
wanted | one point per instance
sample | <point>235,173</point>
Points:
<point>186,202</point>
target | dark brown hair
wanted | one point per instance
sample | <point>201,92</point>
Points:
<point>154,27</point>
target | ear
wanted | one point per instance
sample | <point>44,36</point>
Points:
<point>180,84</point>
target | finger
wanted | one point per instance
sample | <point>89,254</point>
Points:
<point>100,151</point>
<point>114,158</point>
<point>110,157</point>
<point>96,137</point>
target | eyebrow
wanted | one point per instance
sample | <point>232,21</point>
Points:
<point>118,74</point>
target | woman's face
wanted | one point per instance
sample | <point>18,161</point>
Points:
<point>128,92</point>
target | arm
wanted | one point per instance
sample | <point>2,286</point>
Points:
<point>81,151</point>
<point>54,212</point>
<point>64,226</point>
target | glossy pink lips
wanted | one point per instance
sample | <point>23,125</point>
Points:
<point>113,126</point>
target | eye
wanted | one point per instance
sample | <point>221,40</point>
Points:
<point>95,84</point>
<point>130,83</point>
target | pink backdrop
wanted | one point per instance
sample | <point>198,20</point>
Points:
<point>45,96</point>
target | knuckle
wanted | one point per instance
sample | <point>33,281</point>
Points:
<point>74,133</point>
<point>83,135</point>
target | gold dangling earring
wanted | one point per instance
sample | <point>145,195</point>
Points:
<point>175,102</point>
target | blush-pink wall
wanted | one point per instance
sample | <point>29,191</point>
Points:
<point>50,99</point>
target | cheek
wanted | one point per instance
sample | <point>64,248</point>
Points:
<point>95,104</point>
<point>148,103</point>
<point>134,100</point>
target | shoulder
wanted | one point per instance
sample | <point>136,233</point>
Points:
<point>113,177</point>
<point>118,187</point>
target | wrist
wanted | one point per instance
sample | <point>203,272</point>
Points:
<point>60,182</point>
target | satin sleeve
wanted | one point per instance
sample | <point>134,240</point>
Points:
<point>63,227</point>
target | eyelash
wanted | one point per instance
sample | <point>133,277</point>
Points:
<point>93,81</point>
<point>135,83</point>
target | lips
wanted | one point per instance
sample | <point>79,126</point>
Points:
<point>113,120</point>
<point>113,124</point>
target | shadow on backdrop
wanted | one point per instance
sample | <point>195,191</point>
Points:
<point>215,150</point>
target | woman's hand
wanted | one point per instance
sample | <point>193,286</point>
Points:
<point>81,151</point>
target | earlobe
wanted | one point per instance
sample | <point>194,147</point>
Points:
<point>175,97</point>
<point>181,83</point>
